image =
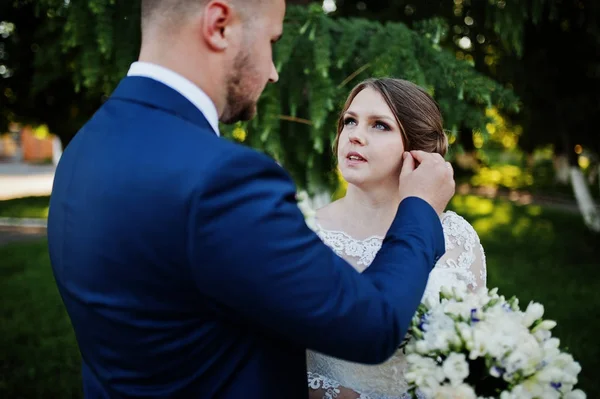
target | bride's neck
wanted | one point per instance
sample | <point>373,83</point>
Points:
<point>373,209</point>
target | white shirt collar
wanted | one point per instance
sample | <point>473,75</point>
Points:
<point>180,84</point>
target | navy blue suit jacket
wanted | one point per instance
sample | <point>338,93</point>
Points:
<point>188,271</point>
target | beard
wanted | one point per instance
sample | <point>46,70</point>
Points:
<point>240,104</point>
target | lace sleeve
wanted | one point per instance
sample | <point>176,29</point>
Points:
<point>321,387</point>
<point>464,253</point>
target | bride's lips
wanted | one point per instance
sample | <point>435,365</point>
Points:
<point>355,158</point>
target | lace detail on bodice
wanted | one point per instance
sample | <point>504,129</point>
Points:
<point>330,387</point>
<point>464,261</point>
<point>363,251</point>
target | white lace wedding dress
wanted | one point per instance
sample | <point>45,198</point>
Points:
<point>464,261</point>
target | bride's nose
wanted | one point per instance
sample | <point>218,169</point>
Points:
<point>356,136</point>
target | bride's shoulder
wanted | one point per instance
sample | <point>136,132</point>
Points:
<point>451,216</point>
<point>327,212</point>
<point>317,218</point>
<point>322,217</point>
<point>457,227</point>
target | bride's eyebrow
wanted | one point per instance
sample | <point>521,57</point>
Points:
<point>381,117</point>
<point>371,117</point>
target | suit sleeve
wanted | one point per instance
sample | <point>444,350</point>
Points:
<point>251,251</point>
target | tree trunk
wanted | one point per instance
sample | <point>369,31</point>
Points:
<point>587,207</point>
<point>585,201</point>
<point>561,168</point>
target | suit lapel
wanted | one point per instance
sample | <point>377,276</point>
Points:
<point>155,94</point>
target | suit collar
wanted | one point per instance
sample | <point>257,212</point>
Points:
<point>182,85</point>
<point>155,94</point>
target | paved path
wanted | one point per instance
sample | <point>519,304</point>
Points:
<point>19,234</point>
<point>22,180</point>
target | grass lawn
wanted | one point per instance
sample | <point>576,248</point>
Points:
<point>27,207</point>
<point>534,253</point>
<point>39,356</point>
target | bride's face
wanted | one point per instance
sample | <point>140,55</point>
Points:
<point>370,145</point>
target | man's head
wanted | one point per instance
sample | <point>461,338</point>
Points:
<point>223,46</point>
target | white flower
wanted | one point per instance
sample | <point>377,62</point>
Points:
<point>525,359</point>
<point>423,372</point>
<point>456,368</point>
<point>527,355</point>
<point>530,390</point>
<point>461,391</point>
<point>459,289</point>
<point>545,325</point>
<point>551,347</point>
<point>483,325</point>
<point>576,394</point>
<point>542,335</point>
<point>422,347</point>
<point>461,310</point>
<point>508,395</point>
<point>466,334</point>
<point>534,312</point>
<point>564,360</point>
<point>446,292</point>
<point>572,369</point>
<point>549,374</point>
<point>431,301</point>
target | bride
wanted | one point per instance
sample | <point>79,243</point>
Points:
<point>381,119</point>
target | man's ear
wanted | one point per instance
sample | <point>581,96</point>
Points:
<point>217,20</point>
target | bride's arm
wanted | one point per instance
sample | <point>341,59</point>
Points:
<point>464,253</point>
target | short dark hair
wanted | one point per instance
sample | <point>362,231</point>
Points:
<point>167,9</point>
<point>416,112</point>
<point>177,9</point>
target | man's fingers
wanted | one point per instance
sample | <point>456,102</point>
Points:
<point>408,165</point>
<point>422,156</point>
<point>419,155</point>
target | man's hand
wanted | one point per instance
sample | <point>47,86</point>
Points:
<point>429,177</point>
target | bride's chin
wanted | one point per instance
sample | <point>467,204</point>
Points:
<point>351,176</point>
<point>367,183</point>
<point>354,179</point>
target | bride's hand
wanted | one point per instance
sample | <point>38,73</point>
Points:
<point>432,179</point>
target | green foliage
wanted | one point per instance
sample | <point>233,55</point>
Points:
<point>38,79</point>
<point>319,59</point>
<point>545,49</point>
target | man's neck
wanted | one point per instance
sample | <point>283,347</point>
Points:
<point>188,67</point>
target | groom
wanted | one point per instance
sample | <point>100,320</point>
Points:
<point>183,261</point>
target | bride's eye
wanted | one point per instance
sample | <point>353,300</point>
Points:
<point>381,126</point>
<point>349,120</point>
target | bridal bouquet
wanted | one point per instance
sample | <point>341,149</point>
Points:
<point>480,345</point>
